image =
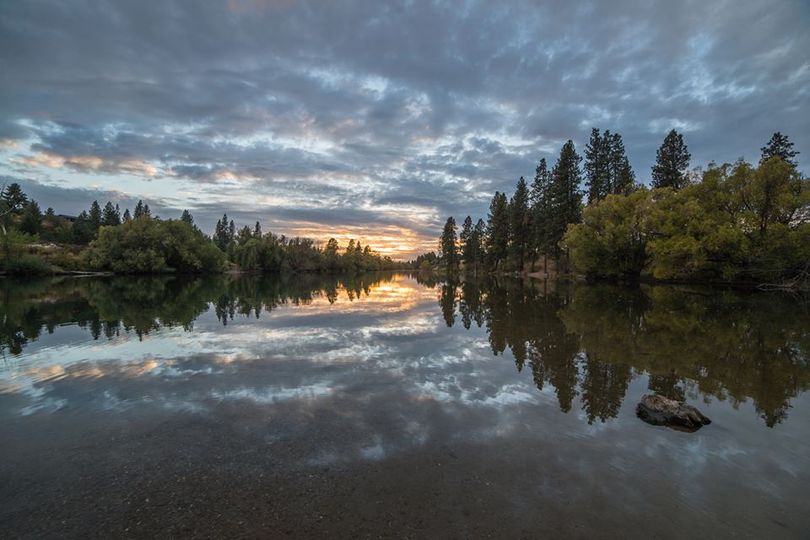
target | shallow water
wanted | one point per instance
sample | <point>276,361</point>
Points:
<point>386,405</point>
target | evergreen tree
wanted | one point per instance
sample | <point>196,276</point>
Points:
<point>31,218</point>
<point>257,230</point>
<point>231,232</point>
<point>497,230</point>
<point>95,215</point>
<point>448,246</point>
<point>565,195</point>
<point>82,230</point>
<point>598,165</point>
<point>467,240</point>
<point>49,212</point>
<point>187,218</point>
<point>622,177</point>
<point>479,235</point>
<point>519,224</point>
<point>779,146</point>
<point>111,215</point>
<point>540,208</point>
<point>244,235</point>
<point>127,216</point>
<point>221,233</point>
<point>141,210</point>
<point>14,198</point>
<point>671,163</point>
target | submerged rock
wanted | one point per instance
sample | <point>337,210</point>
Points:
<point>661,411</point>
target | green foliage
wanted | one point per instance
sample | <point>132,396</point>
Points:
<point>111,215</point>
<point>611,241</point>
<point>519,224</point>
<point>779,146</point>
<point>146,245</point>
<point>671,163</point>
<point>565,195</point>
<point>31,222</point>
<point>497,231</point>
<point>27,265</point>
<point>740,223</point>
<point>448,246</point>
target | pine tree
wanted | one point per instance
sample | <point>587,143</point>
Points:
<point>257,230</point>
<point>31,218</point>
<point>597,166</point>
<point>231,232</point>
<point>779,146</point>
<point>221,233</point>
<point>95,215</point>
<point>497,230</point>
<point>622,177</point>
<point>14,198</point>
<point>187,218</point>
<point>127,216</point>
<point>465,237</point>
<point>140,210</point>
<point>448,246</point>
<point>479,235</point>
<point>110,216</point>
<point>671,163</point>
<point>565,195</point>
<point>540,209</point>
<point>519,224</point>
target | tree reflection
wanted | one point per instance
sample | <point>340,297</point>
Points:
<point>588,341</point>
<point>111,306</point>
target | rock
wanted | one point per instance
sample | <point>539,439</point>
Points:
<point>661,411</point>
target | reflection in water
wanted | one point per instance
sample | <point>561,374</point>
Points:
<point>295,395</point>
<point>590,340</point>
<point>583,341</point>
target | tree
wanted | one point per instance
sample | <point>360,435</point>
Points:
<point>779,146</point>
<point>257,230</point>
<point>31,218</point>
<point>146,245</point>
<point>331,253</point>
<point>187,218</point>
<point>141,210</point>
<point>111,215</point>
<point>127,216</point>
<point>622,177</point>
<point>497,230</point>
<point>14,198</point>
<point>221,238</point>
<point>565,195</point>
<point>671,163</point>
<point>478,237</point>
<point>611,241</point>
<point>95,215</point>
<point>598,166</point>
<point>82,230</point>
<point>519,224</point>
<point>448,246</point>
<point>464,239</point>
<point>540,198</point>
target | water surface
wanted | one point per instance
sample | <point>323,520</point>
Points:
<point>388,405</point>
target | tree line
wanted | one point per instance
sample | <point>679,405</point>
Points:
<point>730,222</point>
<point>105,239</point>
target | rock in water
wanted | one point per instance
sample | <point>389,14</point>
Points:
<point>661,411</point>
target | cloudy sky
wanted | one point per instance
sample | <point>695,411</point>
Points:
<point>376,120</point>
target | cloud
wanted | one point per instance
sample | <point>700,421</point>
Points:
<point>284,106</point>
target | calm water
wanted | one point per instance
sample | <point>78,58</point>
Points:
<point>389,406</point>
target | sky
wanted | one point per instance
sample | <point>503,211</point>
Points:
<point>376,120</point>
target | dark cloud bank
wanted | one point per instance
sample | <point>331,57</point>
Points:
<point>377,114</point>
